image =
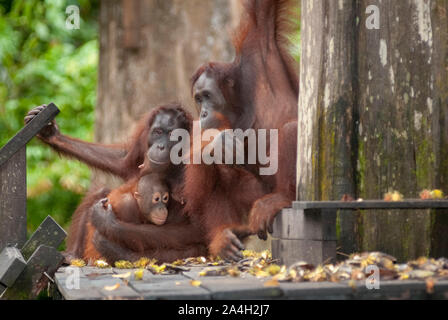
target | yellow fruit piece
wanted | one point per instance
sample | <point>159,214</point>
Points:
<point>404,276</point>
<point>112,288</point>
<point>178,262</point>
<point>158,269</point>
<point>233,272</point>
<point>397,196</point>
<point>248,253</point>
<point>266,254</point>
<point>195,283</point>
<point>271,283</point>
<point>78,263</point>
<point>437,194</point>
<point>141,263</point>
<point>273,269</point>
<point>138,274</point>
<point>101,264</point>
<point>123,264</point>
<point>122,275</point>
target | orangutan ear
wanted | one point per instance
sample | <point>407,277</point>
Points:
<point>137,195</point>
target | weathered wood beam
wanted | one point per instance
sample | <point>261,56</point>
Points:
<point>13,200</point>
<point>27,133</point>
<point>43,263</point>
<point>49,233</point>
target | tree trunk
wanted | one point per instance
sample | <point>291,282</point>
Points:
<point>373,108</point>
<point>148,51</point>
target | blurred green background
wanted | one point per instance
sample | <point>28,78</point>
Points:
<point>40,62</point>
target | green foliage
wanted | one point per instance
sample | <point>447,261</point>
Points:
<point>40,62</point>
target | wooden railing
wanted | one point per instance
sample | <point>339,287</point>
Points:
<point>307,231</point>
<point>25,266</point>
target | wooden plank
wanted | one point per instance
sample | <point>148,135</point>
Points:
<point>225,288</point>
<point>305,224</point>
<point>167,287</point>
<point>28,132</point>
<point>122,292</point>
<point>316,290</point>
<point>311,251</point>
<point>372,204</point>
<point>32,280</point>
<point>163,287</point>
<point>170,290</point>
<point>13,200</point>
<point>11,265</point>
<point>49,233</point>
<point>66,284</point>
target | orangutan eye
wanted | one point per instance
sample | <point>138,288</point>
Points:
<point>165,198</point>
<point>157,131</point>
<point>198,98</point>
<point>156,197</point>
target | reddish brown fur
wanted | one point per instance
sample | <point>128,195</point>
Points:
<point>126,209</point>
<point>261,88</point>
<point>168,242</point>
<point>219,197</point>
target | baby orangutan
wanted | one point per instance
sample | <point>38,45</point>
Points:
<point>142,200</point>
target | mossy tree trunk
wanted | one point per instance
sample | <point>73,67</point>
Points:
<point>373,117</point>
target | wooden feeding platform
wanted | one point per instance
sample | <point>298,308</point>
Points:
<point>307,231</point>
<point>88,283</point>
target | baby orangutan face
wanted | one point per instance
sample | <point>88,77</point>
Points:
<point>152,198</point>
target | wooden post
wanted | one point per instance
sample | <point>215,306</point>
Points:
<point>373,117</point>
<point>305,235</point>
<point>13,200</point>
<point>13,180</point>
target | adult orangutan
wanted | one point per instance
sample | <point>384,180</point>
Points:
<point>258,90</point>
<point>171,241</point>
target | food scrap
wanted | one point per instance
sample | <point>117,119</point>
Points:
<point>138,274</point>
<point>122,275</point>
<point>195,283</point>
<point>78,263</point>
<point>112,288</point>
<point>143,262</point>
<point>123,264</point>
<point>435,194</point>
<point>101,264</point>
<point>393,196</point>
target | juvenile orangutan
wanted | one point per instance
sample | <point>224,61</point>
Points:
<point>142,200</point>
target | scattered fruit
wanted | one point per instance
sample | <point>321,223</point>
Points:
<point>123,264</point>
<point>393,196</point>
<point>78,263</point>
<point>101,264</point>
